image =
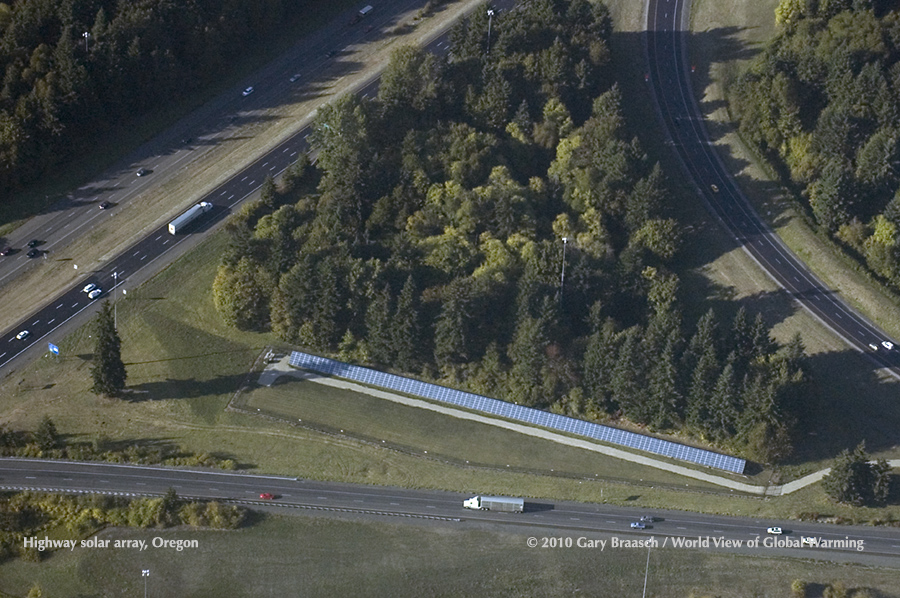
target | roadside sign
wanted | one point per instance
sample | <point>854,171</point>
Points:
<point>53,348</point>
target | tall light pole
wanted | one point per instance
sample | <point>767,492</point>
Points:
<point>562,275</point>
<point>145,573</point>
<point>86,35</point>
<point>116,301</point>
<point>646,572</point>
<point>490,14</point>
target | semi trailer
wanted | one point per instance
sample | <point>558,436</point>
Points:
<point>495,503</point>
<point>179,224</point>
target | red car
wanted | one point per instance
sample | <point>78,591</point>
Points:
<point>267,496</point>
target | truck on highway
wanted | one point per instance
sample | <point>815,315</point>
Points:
<point>362,12</point>
<point>495,503</point>
<point>179,224</point>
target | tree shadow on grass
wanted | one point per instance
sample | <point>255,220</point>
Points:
<point>839,416</point>
<point>189,388</point>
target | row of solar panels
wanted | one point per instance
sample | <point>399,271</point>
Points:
<point>516,412</point>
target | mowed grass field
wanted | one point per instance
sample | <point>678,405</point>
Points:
<point>305,556</point>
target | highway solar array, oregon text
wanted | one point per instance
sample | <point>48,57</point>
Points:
<point>516,412</point>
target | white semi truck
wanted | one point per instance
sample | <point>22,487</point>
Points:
<point>495,503</point>
<point>178,225</point>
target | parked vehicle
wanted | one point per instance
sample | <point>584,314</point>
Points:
<point>495,503</point>
<point>179,224</point>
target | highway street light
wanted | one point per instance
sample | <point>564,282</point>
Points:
<point>562,276</point>
<point>86,35</point>
<point>490,14</point>
<point>145,573</point>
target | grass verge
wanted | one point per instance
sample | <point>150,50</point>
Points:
<point>291,556</point>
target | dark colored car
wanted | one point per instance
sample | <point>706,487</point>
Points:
<point>33,252</point>
<point>33,243</point>
<point>6,250</point>
<point>105,205</point>
<point>143,172</point>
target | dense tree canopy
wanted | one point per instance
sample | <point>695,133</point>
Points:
<point>822,101</point>
<point>71,67</point>
<point>448,207</point>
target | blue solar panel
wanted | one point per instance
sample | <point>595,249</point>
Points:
<point>517,412</point>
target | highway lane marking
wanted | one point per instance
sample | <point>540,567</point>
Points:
<point>30,477</point>
<point>321,498</point>
<point>158,238</point>
<point>58,306</point>
<point>274,167</point>
<point>143,257</point>
<point>67,479</point>
<point>718,531</point>
<point>140,484</point>
<point>135,253</point>
<point>51,321</point>
<point>839,315</point>
<point>287,149</point>
<point>2,354</point>
<point>395,504</point>
<point>231,196</point>
<point>357,500</point>
<point>612,521</point>
<point>74,305</point>
<point>293,154</point>
<point>430,507</point>
<point>251,183</point>
<point>264,164</point>
<point>681,528</point>
<point>574,519</point>
<point>243,179</point>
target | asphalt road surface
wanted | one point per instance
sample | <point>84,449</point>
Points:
<point>214,122</point>
<point>541,519</point>
<point>669,77</point>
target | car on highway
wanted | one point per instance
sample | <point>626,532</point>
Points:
<point>775,531</point>
<point>95,293</point>
<point>887,345</point>
<point>267,496</point>
<point>715,188</point>
<point>873,346</point>
<point>648,519</point>
<point>33,252</point>
<point>6,250</point>
<point>33,243</point>
<point>105,205</point>
<point>143,172</point>
<point>331,54</point>
<point>295,78</point>
<point>247,91</point>
<point>638,525</point>
<point>89,288</point>
<point>22,335</point>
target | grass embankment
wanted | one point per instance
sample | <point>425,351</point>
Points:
<point>321,557</point>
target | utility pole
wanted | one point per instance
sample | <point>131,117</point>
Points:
<point>490,14</point>
<point>646,572</point>
<point>562,276</point>
<point>116,301</point>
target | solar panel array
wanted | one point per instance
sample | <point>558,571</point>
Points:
<point>516,412</point>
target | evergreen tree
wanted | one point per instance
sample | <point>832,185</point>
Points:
<point>627,382</point>
<point>46,436</point>
<point>724,399</point>
<point>662,388</point>
<point>599,361</point>
<point>321,329</point>
<point>378,327</point>
<point>526,352</point>
<point>451,336</point>
<point>855,481</point>
<point>407,340</point>
<point>108,371</point>
<point>703,379</point>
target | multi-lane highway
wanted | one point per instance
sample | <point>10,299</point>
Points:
<point>211,125</point>
<point>669,77</point>
<point>541,517</point>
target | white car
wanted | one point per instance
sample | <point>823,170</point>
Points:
<point>295,78</point>
<point>89,288</point>
<point>638,525</point>
<point>775,531</point>
<point>22,335</point>
<point>887,345</point>
<point>873,346</point>
<point>809,541</point>
<point>95,293</point>
<point>247,92</point>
